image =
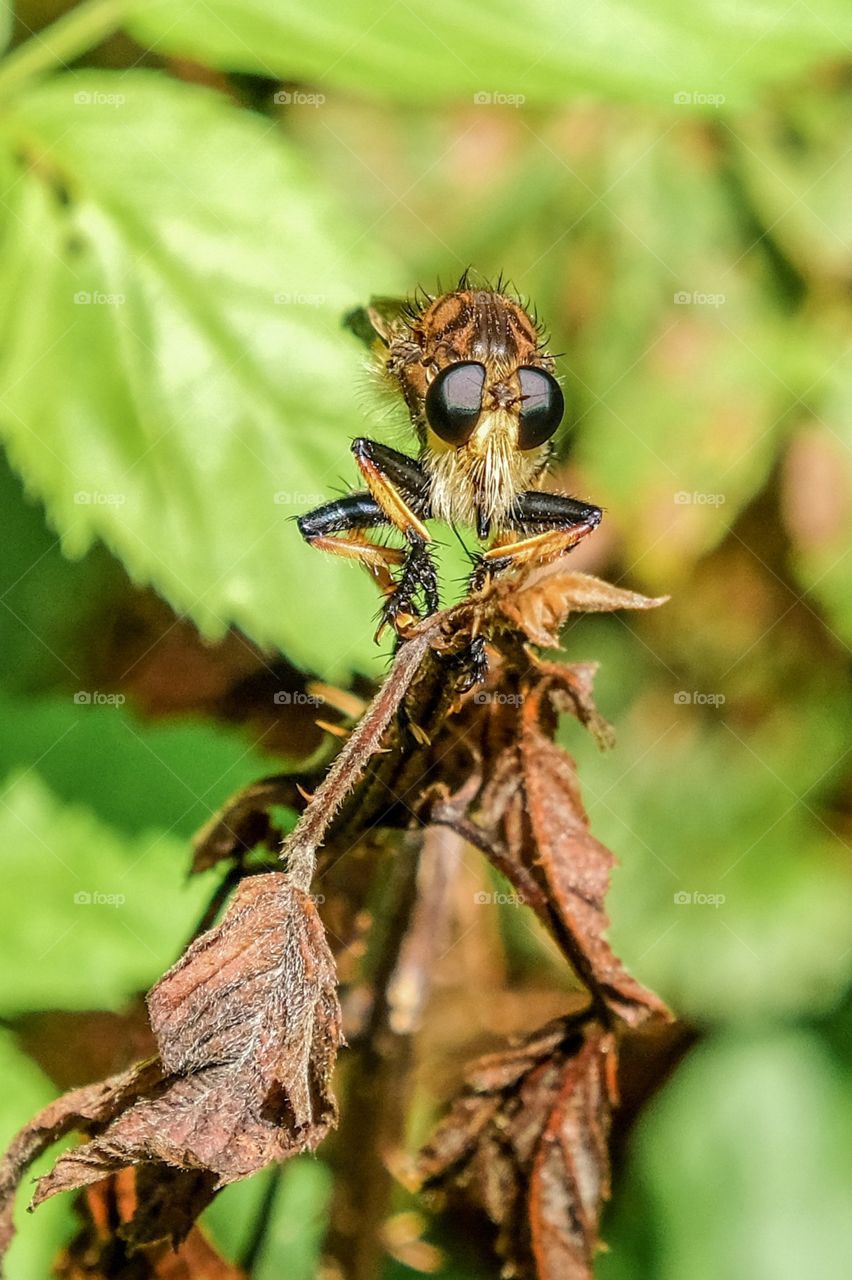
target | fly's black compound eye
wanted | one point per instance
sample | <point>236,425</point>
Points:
<point>454,401</point>
<point>542,407</point>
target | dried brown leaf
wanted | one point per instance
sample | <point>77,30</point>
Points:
<point>106,1247</point>
<point>575,867</point>
<point>87,1110</point>
<point>538,602</point>
<point>572,690</point>
<point>248,1027</point>
<point>532,810</point>
<point>247,1023</point>
<point>526,1142</point>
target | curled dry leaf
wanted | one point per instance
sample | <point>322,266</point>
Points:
<point>244,821</point>
<point>88,1110</point>
<point>248,1027</point>
<point>539,603</point>
<point>533,809</point>
<point>526,1142</point>
<point>107,1245</point>
<point>575,867</point>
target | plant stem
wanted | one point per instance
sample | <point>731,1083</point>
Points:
<point>372,1126</point>
<point>64,40</point>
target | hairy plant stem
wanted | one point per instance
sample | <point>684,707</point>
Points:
<point>372,1127</point>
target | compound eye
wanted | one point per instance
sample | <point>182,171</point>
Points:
<point>542,407</point>
<point>454,401</point>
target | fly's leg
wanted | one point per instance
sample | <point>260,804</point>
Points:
<point>473,661</point>
<point>548,525</point>
<point>351,515</point>
<point>400,488</point>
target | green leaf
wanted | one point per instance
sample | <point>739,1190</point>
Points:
<point>743,1167</point>
<point>133,775</point>
<point>176,380</point>
<point>296,1223</point>
<point>7,19</point>
<point>664,52</point>
<point>88,917</point>
<point>48,606</point>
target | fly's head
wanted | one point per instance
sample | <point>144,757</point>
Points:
<point>481,393</point>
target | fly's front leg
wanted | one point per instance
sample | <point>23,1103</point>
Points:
<point>400,487</point>
<point>548,525</point>
<point>351,515</point>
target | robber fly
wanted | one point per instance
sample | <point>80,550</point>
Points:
<point>480,390</point>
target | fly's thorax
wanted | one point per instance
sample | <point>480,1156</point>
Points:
<point>477,324</point>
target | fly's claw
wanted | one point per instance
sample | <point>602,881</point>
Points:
<point>397,614</point>
<point>474,663</point>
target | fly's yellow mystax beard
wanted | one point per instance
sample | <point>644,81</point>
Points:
<point>481,479</point>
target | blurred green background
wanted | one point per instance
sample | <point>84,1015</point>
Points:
<point>192,197</point>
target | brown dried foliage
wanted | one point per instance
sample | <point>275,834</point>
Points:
<point>107,1246</point>
<point>526,1142</point>
<point>247,1024</point>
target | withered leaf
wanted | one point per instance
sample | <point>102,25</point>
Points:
<point>574,866</point>
<point>105,1247</point>
<point>248,1027</point>
<point>526,1142</point>
<point>538,602</point>
<point>244,820</point>
<point>89,1110</point>
<point>532,825</point>
<point>571,689</point>
<point>248,1024</point>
